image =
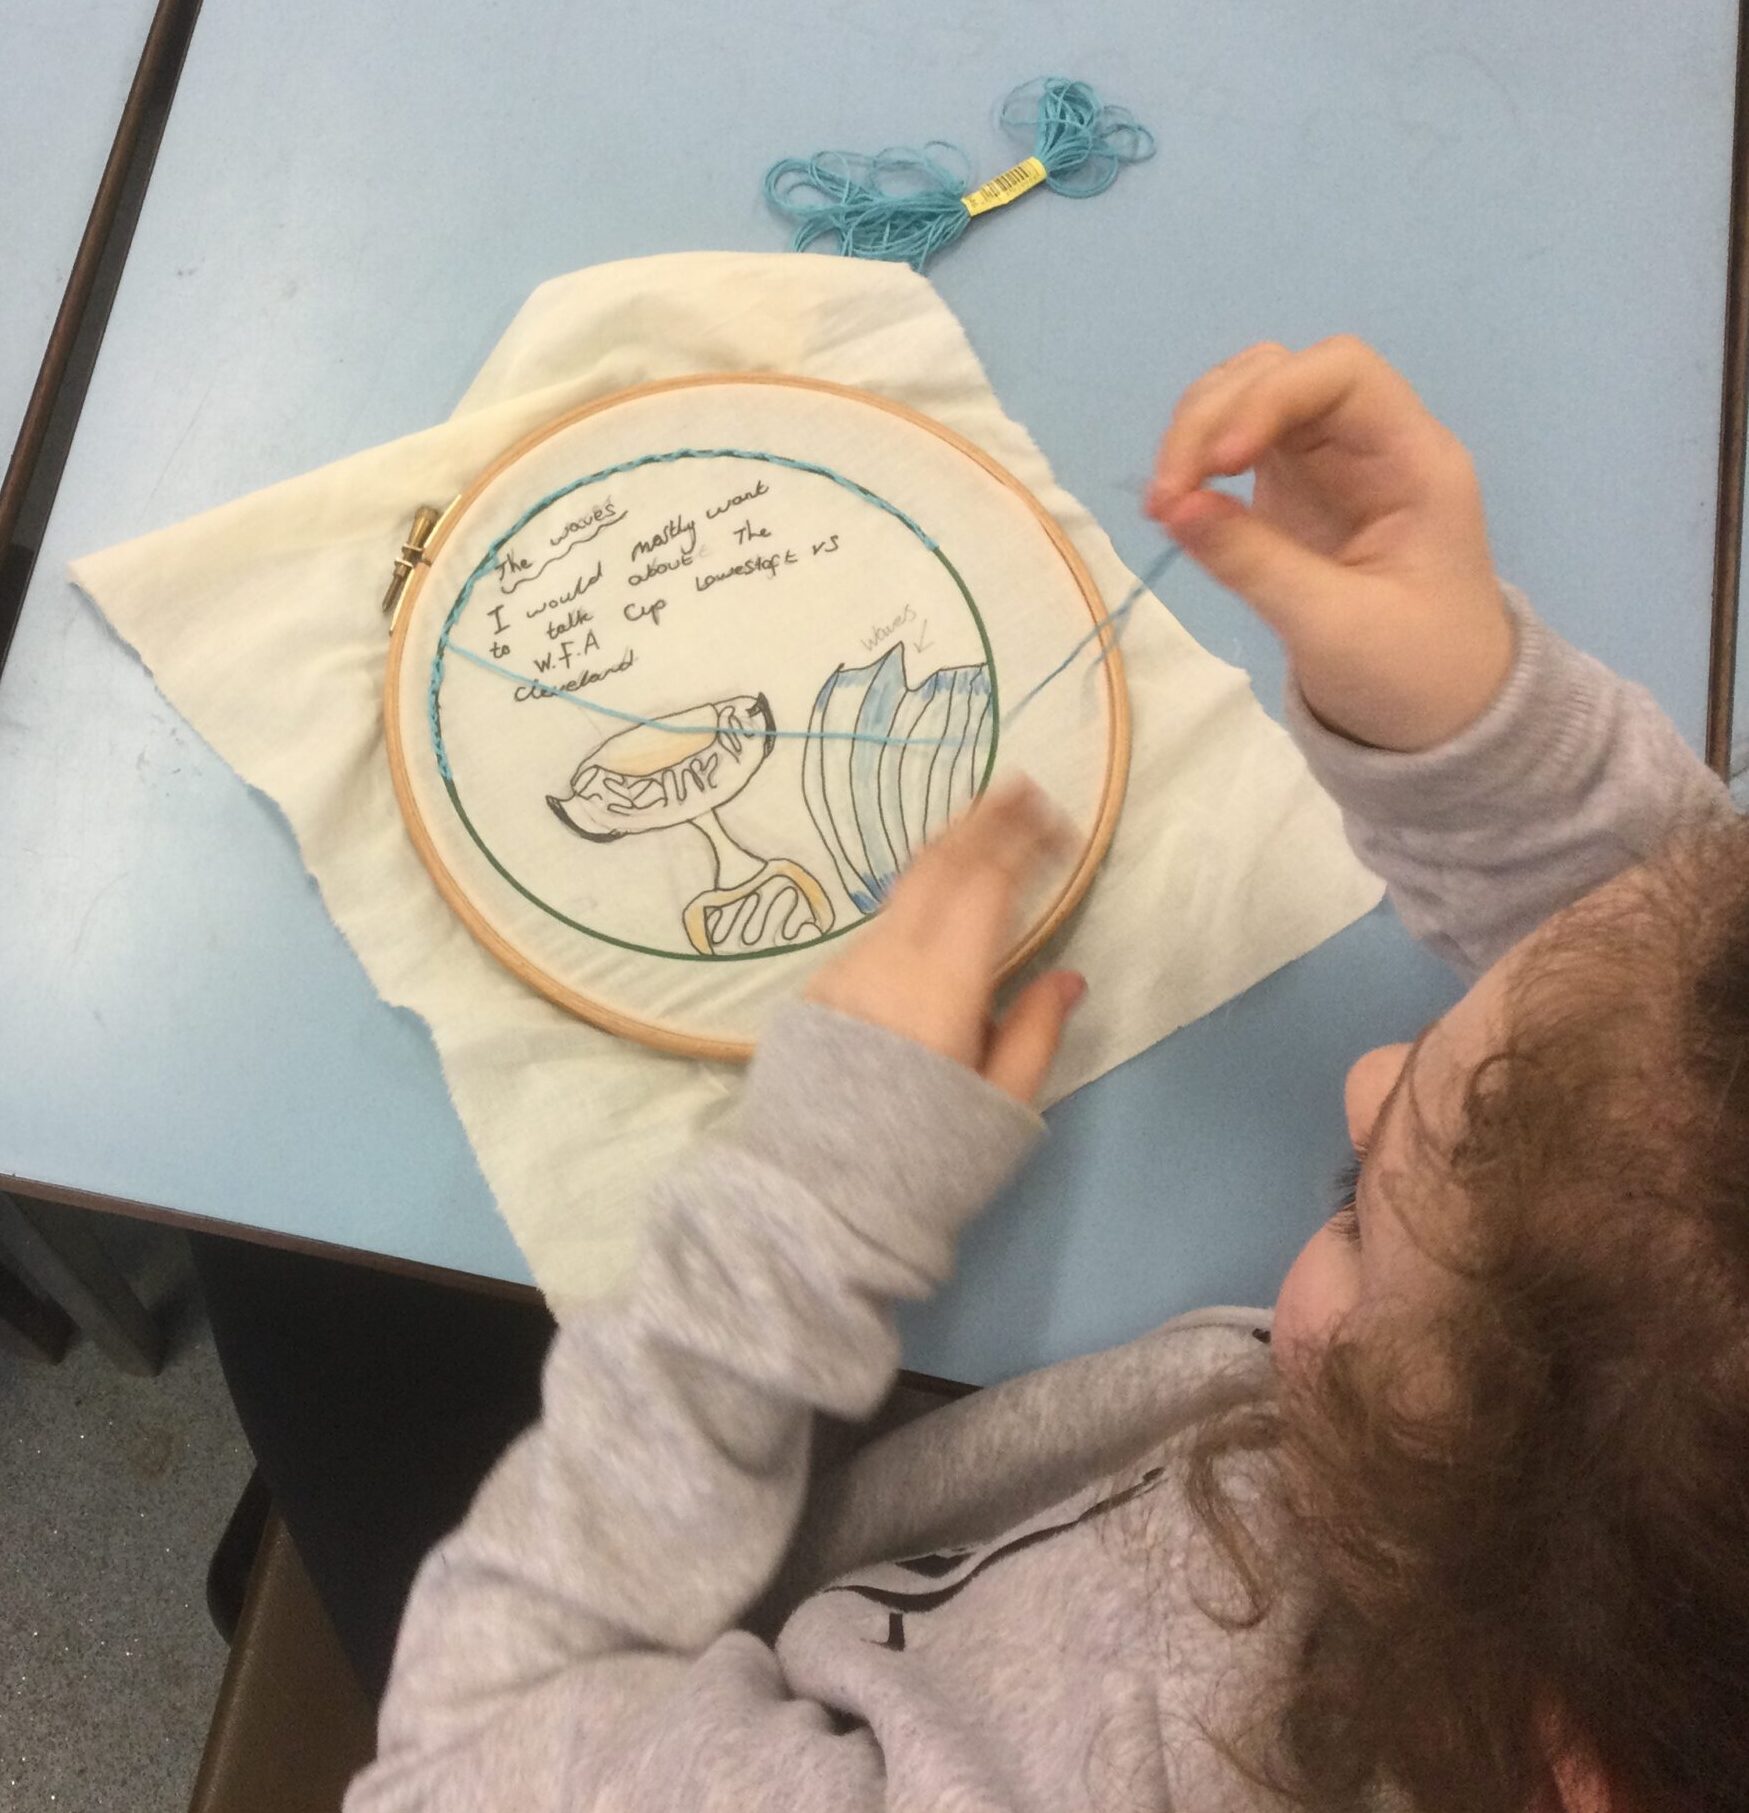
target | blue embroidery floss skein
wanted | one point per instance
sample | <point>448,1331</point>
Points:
<point>906,205</point>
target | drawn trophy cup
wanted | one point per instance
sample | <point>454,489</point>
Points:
<point>679,770</point>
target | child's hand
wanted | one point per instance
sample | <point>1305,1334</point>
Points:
<point>926,968</point>
<point>1364,546</point>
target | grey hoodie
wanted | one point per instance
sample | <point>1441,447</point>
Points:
<point>1006,1604</point>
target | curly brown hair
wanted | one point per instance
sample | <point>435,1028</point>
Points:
<point>1553,1550</point>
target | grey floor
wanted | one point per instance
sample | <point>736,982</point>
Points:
<point>113,1492</point>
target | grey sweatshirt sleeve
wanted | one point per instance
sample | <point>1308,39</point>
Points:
<point>572,1641</point>
<point>1569,777</point>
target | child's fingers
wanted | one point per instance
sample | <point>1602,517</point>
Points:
<point>1339,386</point>
<point>1221,380</point>
<point>961,890</point>
<point>1182,462</point>
<point>927,968</point>
<point>1026,1039</point>
<point>1287,584</point>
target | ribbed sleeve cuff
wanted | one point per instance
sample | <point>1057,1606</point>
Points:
<point>1537,725</point>
<point>902,1143</point>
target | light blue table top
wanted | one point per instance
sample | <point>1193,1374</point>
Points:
<point>71,63</point>
<point>1527,214</point>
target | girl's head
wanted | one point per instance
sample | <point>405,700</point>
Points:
<point>1515,1386</point>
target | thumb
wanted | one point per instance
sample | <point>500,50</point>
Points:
<point>1026,1038</point>
<point>1285,583</point>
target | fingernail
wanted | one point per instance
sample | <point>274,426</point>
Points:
<point>1074,991</point>
<point>1191,514</point>
<point>1164,498</point>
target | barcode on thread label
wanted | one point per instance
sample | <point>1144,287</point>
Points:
<point>1000,190</point>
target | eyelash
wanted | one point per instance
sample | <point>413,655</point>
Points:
<point>1344,1223</point>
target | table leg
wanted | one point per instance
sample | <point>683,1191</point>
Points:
<point>29,1324</point>
<point>70,1266</point>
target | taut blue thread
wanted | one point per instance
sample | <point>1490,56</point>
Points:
<point>547,690</point>
<point>1114,622</point>
<point>906,205</point>
<point>489,560</point>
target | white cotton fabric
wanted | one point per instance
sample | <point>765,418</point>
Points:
<point>1228,862</point>
<point>847,582</point>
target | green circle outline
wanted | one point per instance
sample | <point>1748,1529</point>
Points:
<point>787,950</point>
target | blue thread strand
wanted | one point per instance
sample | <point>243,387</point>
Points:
<point>1109,628</point>
<point>901,205</point>
<point>1114,621</point>
<point>489,559</point>
<point>1082,141</point>
<point>905,205</point>
<point>547,690</point>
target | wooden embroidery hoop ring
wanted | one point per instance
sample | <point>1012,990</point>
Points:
<point>671,1038</point>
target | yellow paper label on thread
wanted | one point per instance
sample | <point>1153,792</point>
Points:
<point>999,191</point>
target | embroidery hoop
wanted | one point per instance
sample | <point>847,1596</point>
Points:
<point>408,734</point>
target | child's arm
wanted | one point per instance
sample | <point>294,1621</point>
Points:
<point>1570,776</point>
<point>571,1644</point>
<point>1491,773</point>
